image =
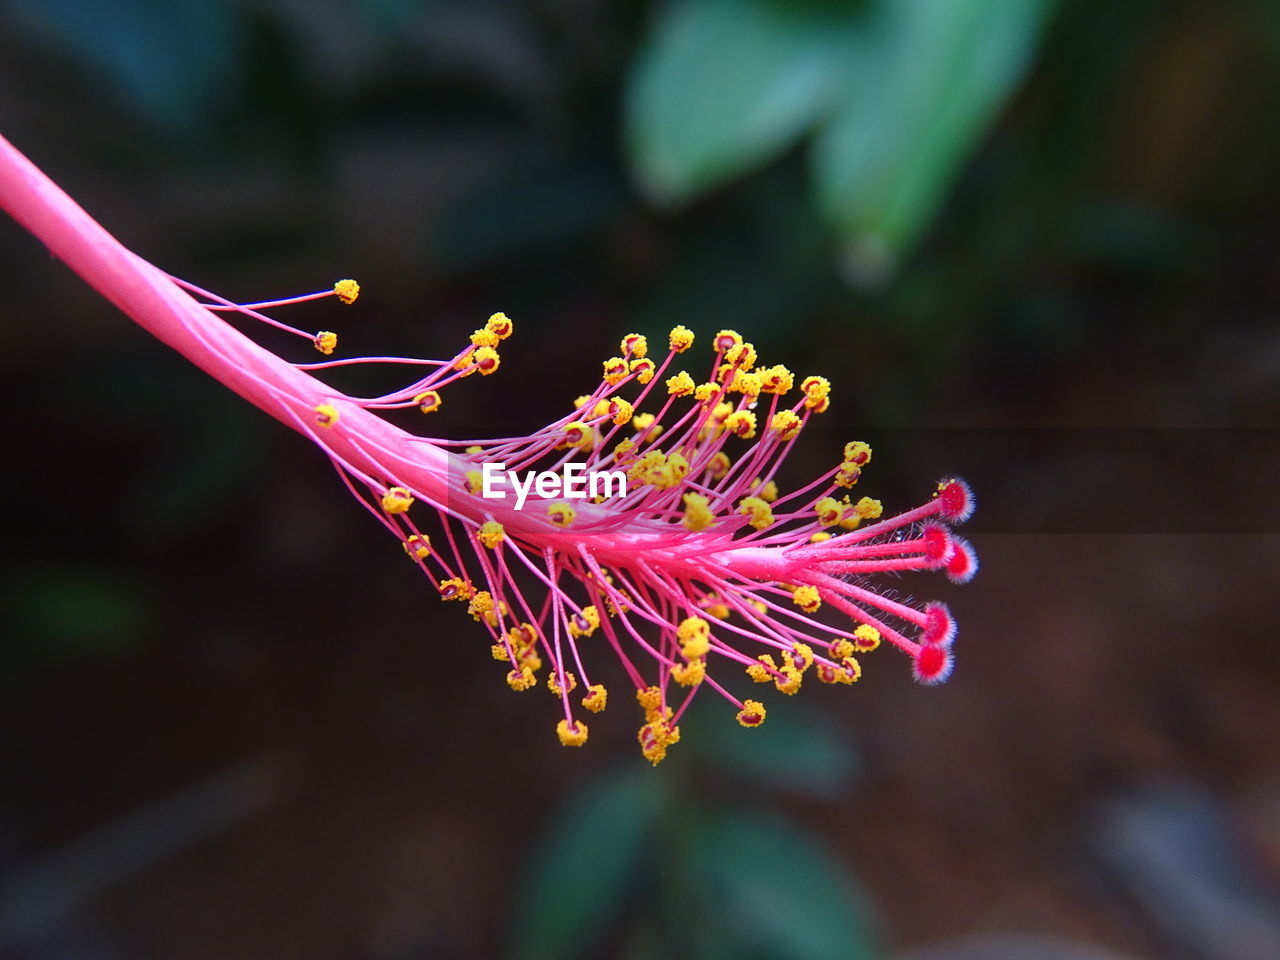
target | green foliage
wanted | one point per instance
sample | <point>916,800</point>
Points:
<point>896,92</point>
<point>646,855</point>
<point>587,864</point>
<point>796,750</point>
<point>722,86</point>
<point>926,90</point>
<point>168,59</point>
<point>70,614</point>
<point>774,892</point>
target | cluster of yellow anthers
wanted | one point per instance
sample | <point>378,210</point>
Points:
<point>704,546</point>
<point>703,535</point>
<point>704,563</point>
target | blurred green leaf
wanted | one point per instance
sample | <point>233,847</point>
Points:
<point>169,59</point>
<point>917,104</point>
<point>535,209</point>
<point>771,891</point>
<point>70,614</point>
<point>721,86</point>
<point>761,257</point>
<point>582,871</point>
<point>796,749</point>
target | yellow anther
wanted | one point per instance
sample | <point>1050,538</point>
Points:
<point>857,453</point>
<point>762,670</point>
<point>596,698</point>
<point>801,656</point>
<point>326,341</point>
<point>577,434</point>
<point>473,480</point>
<point>653,468</point>
<point>553,683</point>
<point>584,624</point>
<point>480,604</point>
<point>866,638</point>
<point>500,326</point>
<point>696,647</point>
<point>752,713</point>
<point>491,534</point>
<point>621,411</point>
<point>806,598</point>
<point>499,652</point>
<point>326,414</point>
<point>650,700</point>
<point>529,658</point>
<point>679,464</point>
<point>681,338</point>
<point>581,402</point>
<point>748,384</point>
<point>643,421</point>
<point>601,409</point>
<point>615,370</point>
<point>664,477</point>
<point>397,500</point>
<point>693,628</point>
<point>786,425</point>
<point>522,636</point>
<point>718,465</point>
<point>726,340</point>
<point>681,385</point>
<point>643,369</point>
<point>869,509</point>
<point>846,671</point>
<point>655,737</point>
<point>484,338</point>
<point>718,610</point>
<point>697,512</point>
<point>720,413</point>
<point>741,355</point>
<point>521,678</point>
<point>494,614</point>
<point>689,674</point>
<point>635,344</point>
<point>819,537</point>
<point>418,545</point>
<point>741,423</point>
<point>474,449</point>
<point>789,682</point>
<point>347,291</point>
<point>455,589</point>
<point>776,379</point>
<point>761,513</point>
<point>561,514</point>
<point>623,448</point>
<point>705,391</point>
<point>486,360</point>
<point>428,402</point>
<point>768,491</point>
<point>829,511</point>
<point>841,648</point>
<point>847,475</point>
<point>816,390</point>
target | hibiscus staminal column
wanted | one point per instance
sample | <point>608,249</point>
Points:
<point>704,571</point>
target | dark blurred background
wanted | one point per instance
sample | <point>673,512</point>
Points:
<point>1032,243</point>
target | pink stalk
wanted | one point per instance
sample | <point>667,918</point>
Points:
<point>702,552</point>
